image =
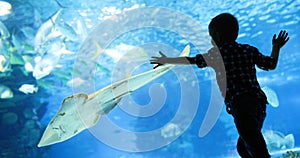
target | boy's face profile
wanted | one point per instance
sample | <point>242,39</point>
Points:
<point>213,42</point>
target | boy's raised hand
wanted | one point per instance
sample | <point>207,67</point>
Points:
<point>281,39</point>
<point>159,60</point>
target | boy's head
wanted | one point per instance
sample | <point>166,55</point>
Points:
<point>223,28</point>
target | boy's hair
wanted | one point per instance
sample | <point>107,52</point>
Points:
<point>226,25</point>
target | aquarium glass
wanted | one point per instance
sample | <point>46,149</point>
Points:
<point>55,53</point>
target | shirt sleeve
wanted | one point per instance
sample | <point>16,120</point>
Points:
<point>199,60</point>
<point>262,61</point>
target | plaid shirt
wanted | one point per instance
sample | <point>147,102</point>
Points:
<point>234,65</point>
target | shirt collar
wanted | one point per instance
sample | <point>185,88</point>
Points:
<point>227,44</point>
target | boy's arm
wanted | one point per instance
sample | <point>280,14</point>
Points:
<point>166,60</point>
<point>278,42</point>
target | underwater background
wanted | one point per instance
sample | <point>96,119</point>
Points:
<point>51,49</point>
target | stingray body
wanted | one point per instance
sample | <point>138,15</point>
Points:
<point>81,111</point>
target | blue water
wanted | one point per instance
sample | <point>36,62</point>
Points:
<point>68,50</point>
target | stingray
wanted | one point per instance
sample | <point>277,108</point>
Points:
<point>81,111</point>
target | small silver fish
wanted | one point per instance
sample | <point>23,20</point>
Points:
<point>5,8</point>
<point>4,63</point>
<point>5,92</point>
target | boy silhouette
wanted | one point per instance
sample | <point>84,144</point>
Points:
<point>244,99</point>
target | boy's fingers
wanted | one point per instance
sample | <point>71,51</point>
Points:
<point>157,66</point>
<point>274,37</point>
<point>154,59</point>
<point>280,33</point>
<point>284,42</point>
<point>162,54</point>
<point>287,39</point>
<point>153,62</point>
<point>285,35</point>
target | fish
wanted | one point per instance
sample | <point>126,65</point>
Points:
<point>98,52</point>
<point>81,28</point>
<point>28,32</point>
<point>49,44</point>
<point>170,130</point>
<point>28,88</point>
<point>15,58</point>
<point>271,96</point>
<point>37,18</point>
<point>5,8</point>
<point>45,29</point>
<point>67,31</point>
<point>4,63</point>
<point>45,64</point>
<point>81,111</point>
<point>29,62</point>
<point>124,50</point>
<point>5,92</point>
<point>75,82</point>
<point>16,42</point>
<point>4,33</point>
<point>276,140</point>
